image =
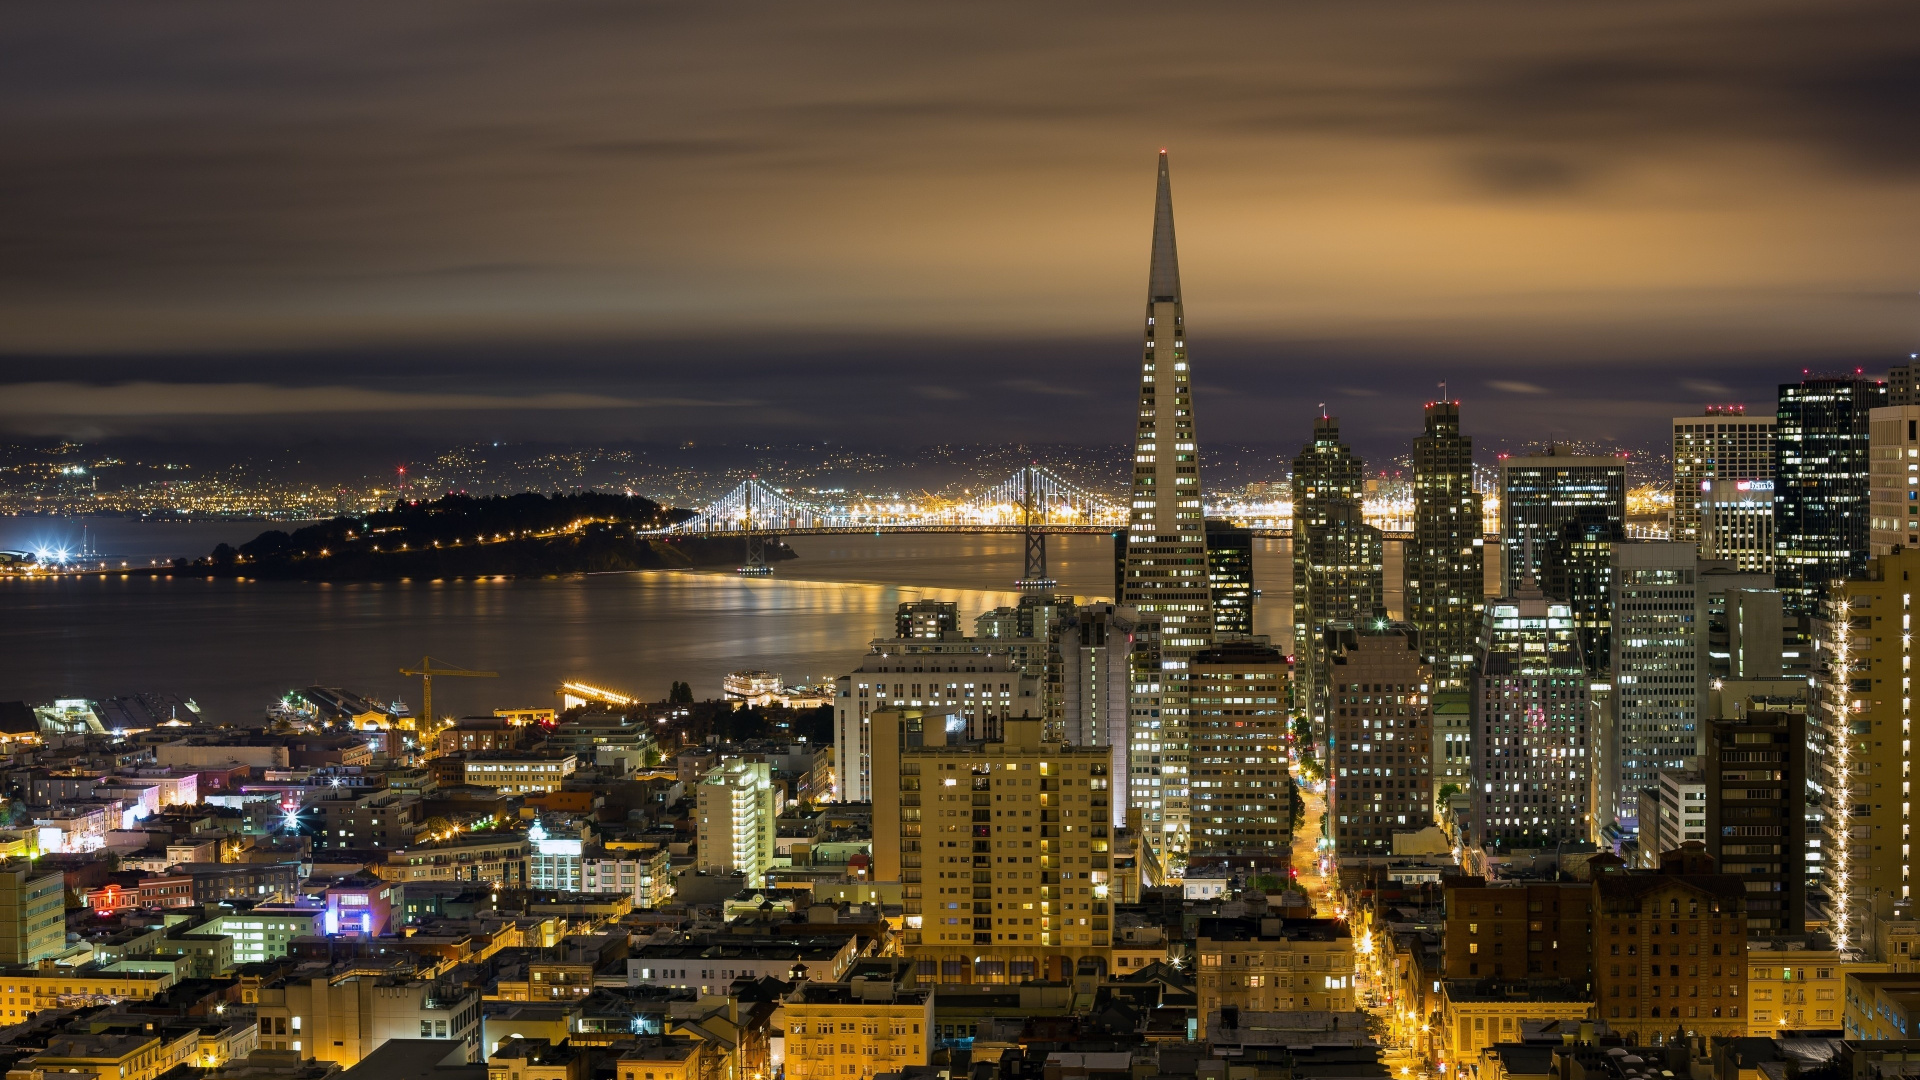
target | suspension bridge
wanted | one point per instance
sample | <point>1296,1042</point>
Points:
<point>1033,497</point>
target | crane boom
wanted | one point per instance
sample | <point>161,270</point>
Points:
<point>426,671</point>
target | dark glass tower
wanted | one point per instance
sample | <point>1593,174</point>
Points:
<point>1821,486</point>
<point>1230,572</point>
<point>1446,577</point>
<point>1337,557</point>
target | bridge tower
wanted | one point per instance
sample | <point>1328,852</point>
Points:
<point>1034,579</point>
<point>756,564</point>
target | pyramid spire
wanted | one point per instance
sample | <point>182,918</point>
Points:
<point>1163,279</point>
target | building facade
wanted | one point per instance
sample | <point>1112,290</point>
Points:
<point>976,683</point>
<point>1242,792</point>
<point>1821,505</point>
<point>1379,774</point>
<point>1446,575</point>
<point>1673,812</point>
<point>1736,523</point>
<point>1272,965</point>
<point>1659,670</point>
<point>1230,575</point>
<point>1859,740</point>
<point>736,815</point>
<point>1092,648</point>
<point>1002,849</point>
<point>1670,951</point>
<point>33,913</point>
<point>1167,572</point>
<point>1337,556</point>
<point>1531,749</point>
<point>1755,771</point>
<point>1893,447</point>
<point>1722,445</point>
<point>858,1029</point>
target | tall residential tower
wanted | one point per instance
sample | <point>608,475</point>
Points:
<point>1166,569</point>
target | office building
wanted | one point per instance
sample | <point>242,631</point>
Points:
<point>1821,504</point>
<point>1902,382</point>
<point>1446,576</point>
<point>1747,636</point>
<point>1242,793</point>
<point>1736,523</point>
<point>517,772</point>
<point>354,819</point>
<point>1539,493</point>
<point>1230,573</point>
<point>1530,744</point>
<point>1755,773</point>
<point>644,873</point>
<point>1723,444</point>
<point>926,619</point>
<point>976,683</point>
<point>1860,739</point>
<point>1093,646</point>
<point>1022,895</point>
<point>1166,572</point>
<point>1659,671</point>
<point>1700,984</point>
<point>33,913</point>
<point>1379,770</point>
<point>555,862</point>
<point>736,811</point>
<point>1893,441</point>
<point>1337,557</point>
<point>1673,811</point>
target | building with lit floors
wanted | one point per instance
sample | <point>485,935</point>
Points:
<point>977,683</point>
<point>1166,574</point>
<point>1860,741</point>
<point>1337,556</point>
<point>1822,510</point>
<point>926,619</point>
<point>1531,749</point>
<point>1722,444</point>
<point>1673,811</point>
<point>1272,965</point>
<point>33,913</point>
<point>1736,523</point>
<point>1002,849</point>
<point>1230,573</point>
<point>1893,436</point>
<point>735,811</point>
<point>1541,492</point>
<point>1669,949</point>
<point>1242,792</point>
<point>1092,652</point>
<point>1659,672</point>
<point>1446,577</point>
<point>1755,773</point>
<point>1380,731</point>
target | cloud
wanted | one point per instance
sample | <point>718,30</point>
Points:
<point>1512,386</point>
<point>50,399</point>
<point>939,393</point>
<point>1706,386</point>
<point>1035,386</point>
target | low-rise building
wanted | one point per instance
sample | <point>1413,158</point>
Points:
<point>1799,984</point>
<point>858,1028</point>
<point>496,857</point>
<point>1477,1013</point>
<point>1272,965</point>
<point>345,1016</point>
<point>519,773</point>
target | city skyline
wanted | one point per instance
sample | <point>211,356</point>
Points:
<point>562,224</point>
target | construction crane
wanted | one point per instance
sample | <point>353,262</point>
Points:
<point>427,671</point>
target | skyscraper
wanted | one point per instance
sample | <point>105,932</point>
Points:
<point>1532,752</point>
<point>1091,657</point>
<point>1723,444</point>
<point>1337,557</point>
<point>1821,501</point>
<point>1230,573</point>
<point>1167,579</point>
<point>1659,671</point>
<point>1560,515</point>
<point>1446,581</point>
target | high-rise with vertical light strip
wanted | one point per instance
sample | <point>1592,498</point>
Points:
<point>1166,565</point>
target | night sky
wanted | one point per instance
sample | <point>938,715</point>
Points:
<point>894,224</point>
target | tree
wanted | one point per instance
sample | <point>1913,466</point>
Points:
<point>1266,883</point>
<point>680,693</point>
<point>1447,791</point>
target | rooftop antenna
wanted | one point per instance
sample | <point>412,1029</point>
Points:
<point>1443,389</point>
